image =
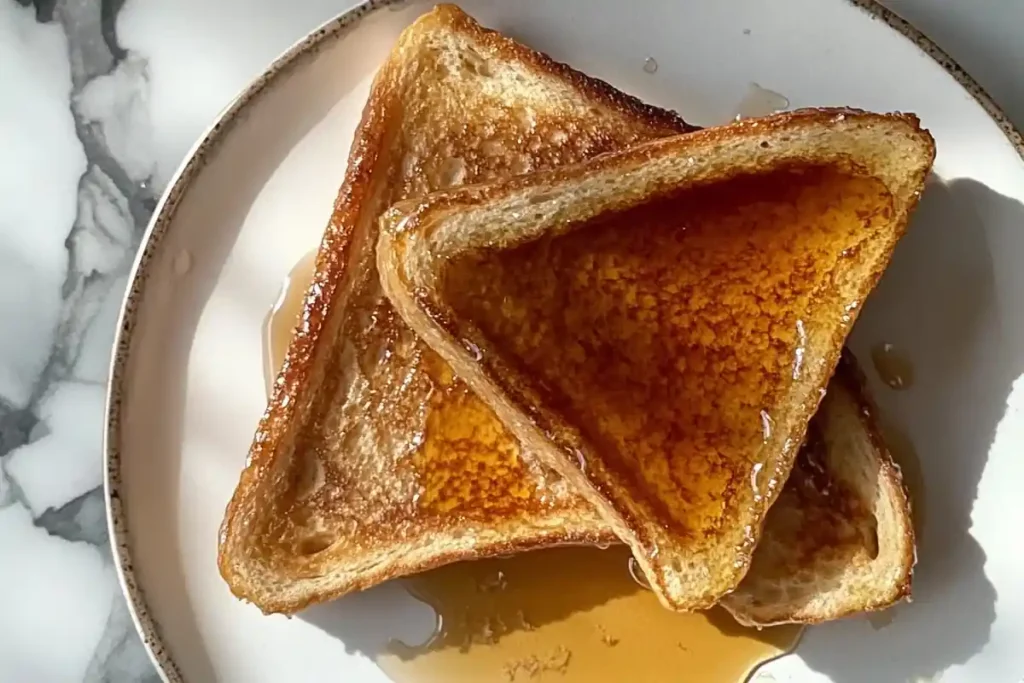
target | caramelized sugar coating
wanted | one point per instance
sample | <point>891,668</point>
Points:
<point>664,331</point>
<point>468,464</point>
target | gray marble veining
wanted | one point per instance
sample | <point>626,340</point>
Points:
<point>109,87</point>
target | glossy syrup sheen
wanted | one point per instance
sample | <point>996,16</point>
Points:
<point>893,366</point>
<point>664,332</point>
<point>566,614</point>
<point>760,101</point>
<point>571,615</point>
<point>284,315</point>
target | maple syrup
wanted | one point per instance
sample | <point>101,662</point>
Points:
<point>563,614</point>
<point>570,614</point>
<point>759,102</point>
<point>893,366</point>
<point>283,316</point>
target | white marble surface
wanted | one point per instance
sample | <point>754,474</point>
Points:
<point>100,100</point>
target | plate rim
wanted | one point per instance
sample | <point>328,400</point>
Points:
<point>181,181</point>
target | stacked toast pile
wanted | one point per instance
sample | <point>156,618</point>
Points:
<point>544,312</point>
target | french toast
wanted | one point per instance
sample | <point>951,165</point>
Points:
<point>372,459</point>
<point>658,324</point>
<point>840,538</point>
<point>270,570</point>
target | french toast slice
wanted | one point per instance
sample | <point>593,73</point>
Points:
<point>659,324</point>
<point>840,538</point>
<point>373,460</point>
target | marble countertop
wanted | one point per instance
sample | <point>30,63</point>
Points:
<point>101,100</point>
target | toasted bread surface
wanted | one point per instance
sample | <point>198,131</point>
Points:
<point>372,460</point>
<point>840,539</point>
<point>658,325</point>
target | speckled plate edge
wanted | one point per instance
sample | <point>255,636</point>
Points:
<point>181,182</point>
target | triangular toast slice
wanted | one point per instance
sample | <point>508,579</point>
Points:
<point>373,460</point>
<point>840,538</point>
<point>659,324</point>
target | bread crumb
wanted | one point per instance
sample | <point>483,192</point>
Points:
<point>524,623</point>
<point>607,638</point>
<point>557,661</point>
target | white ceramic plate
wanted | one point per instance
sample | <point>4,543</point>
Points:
<point>187,389</point>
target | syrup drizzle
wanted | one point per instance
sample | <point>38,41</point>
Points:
<point>893,366</point>
<point>759,101</point>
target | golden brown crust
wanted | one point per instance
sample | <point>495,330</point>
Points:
<point>515,395</point>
